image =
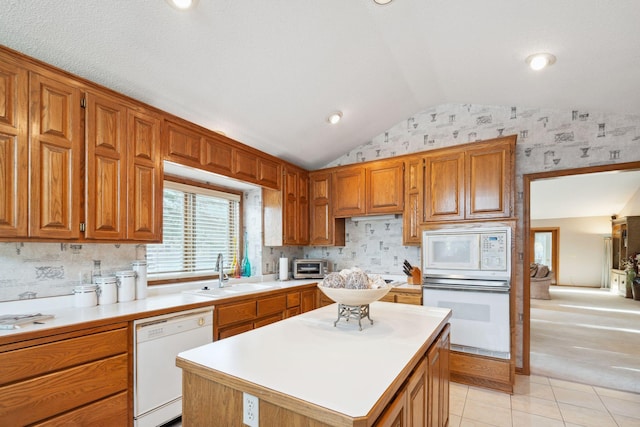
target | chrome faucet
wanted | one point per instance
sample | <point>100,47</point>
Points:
<point>222,277</point>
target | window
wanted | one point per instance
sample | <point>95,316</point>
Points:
<point>198,224</point>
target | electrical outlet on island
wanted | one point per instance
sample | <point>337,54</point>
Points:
<point>250,410</point>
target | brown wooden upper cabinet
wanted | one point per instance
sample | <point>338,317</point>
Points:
<point>189,145</point>
<point>182,144</point>
<point>474,181</point>
<point>14,149</point>
<point>286,211</point>
<point>124,170</point>
<point>42,122</point>
<point>470,182</point>
<point>377,188</point>
<point>324,229</point>
<point>56,157</point>
<point>413,196</point>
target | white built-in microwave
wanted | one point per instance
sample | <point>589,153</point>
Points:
<point>468,252</point>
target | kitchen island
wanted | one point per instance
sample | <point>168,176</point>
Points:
<point>306,371</point>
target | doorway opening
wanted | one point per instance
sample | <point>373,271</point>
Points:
<point>550,249</point>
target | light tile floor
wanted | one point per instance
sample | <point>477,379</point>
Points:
<point>543,402</point>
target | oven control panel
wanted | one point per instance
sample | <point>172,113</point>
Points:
<point>493,251</point>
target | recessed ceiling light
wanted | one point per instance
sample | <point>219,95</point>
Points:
<point>382,1</point>
<point>182,4</point>
<point>538,61</point>
<point>334,117</point>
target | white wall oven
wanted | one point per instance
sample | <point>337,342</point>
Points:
<point>469,271</point>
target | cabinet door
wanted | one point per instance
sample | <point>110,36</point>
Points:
<point>395,415</point>
<point>417,396</point>
<point>385,187</point>
<point>303,208</point>
<point>444,344</point>
<point>269,173</point>
<point>245,165</point>
<point>434,372</point>
<point>488,182</point>
<point>412,216</point>
<point>217,156</point>
<point>348,192</point>
<point>290,207</point>
<point>14,155</point>
<point>182,144</point>
<point>321,223</point>
<point>307,300</point>
<point>105,194</point>
<point>55,165</point>
<point>444,187</point>
<point>144,177</point>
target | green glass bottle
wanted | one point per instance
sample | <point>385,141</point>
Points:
<point>246,265</point>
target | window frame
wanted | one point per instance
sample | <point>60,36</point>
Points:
<point>169,278</point>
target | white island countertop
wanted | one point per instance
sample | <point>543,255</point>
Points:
<point>338,368</point>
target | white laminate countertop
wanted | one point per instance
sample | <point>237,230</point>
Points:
<point>65,314</point>
<point>339,368</point>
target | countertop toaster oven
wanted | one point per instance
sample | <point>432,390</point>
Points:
<point>310,268</point>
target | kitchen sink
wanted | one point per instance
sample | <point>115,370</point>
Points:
<point>229,290</point>
<point>248,287</point>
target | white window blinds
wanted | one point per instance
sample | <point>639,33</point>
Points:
<point>198,224</point>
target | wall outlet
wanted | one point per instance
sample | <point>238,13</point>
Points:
<point>250,410</point>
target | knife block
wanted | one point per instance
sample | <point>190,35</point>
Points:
<point>416,277</point>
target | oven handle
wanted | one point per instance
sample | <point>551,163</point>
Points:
<point>497,286</point>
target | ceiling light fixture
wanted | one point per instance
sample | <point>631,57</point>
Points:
<point>334,117</point>
<point>538,61</point>
<point>383,2</point>
<point>182,4</point>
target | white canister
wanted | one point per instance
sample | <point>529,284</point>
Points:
<point>85,295</point>
<point>126,281</point>
<point>140,267</point>
<point>107,289</point>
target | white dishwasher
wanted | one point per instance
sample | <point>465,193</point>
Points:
<point>157,383</point>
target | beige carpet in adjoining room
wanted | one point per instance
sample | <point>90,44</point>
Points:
<point>587,335</point>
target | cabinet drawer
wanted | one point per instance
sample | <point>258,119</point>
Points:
<point>389,297</point>
<point>236,313</point>
<point>268,320</point>
<point>293,311</point>
<point>293,300</point>
<point>42,397</point>
<point>272,305</point>
<point>111,411</point>
<point>234,330</point>
<point>409,299</point>
<point>31,361</point>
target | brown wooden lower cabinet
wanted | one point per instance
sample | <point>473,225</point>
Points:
<point>404,296</point>
<point>237,317</point>
<point>424,400</point>
<point>481,371</point>
<point>74,379</point>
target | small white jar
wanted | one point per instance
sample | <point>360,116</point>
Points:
<point>85,296</point>
<point>140,268</point>
<point>107,289</point>
<point>126,281</point>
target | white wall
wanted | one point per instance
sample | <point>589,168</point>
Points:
<point>581,248</point>
<point>632,208</point>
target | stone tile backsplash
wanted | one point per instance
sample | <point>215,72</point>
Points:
<point>39,270</point>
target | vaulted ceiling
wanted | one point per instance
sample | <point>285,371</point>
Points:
<point>268,73</point>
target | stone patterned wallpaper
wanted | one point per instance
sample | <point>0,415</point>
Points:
<point>547,140</point>
<point>35,270</point>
